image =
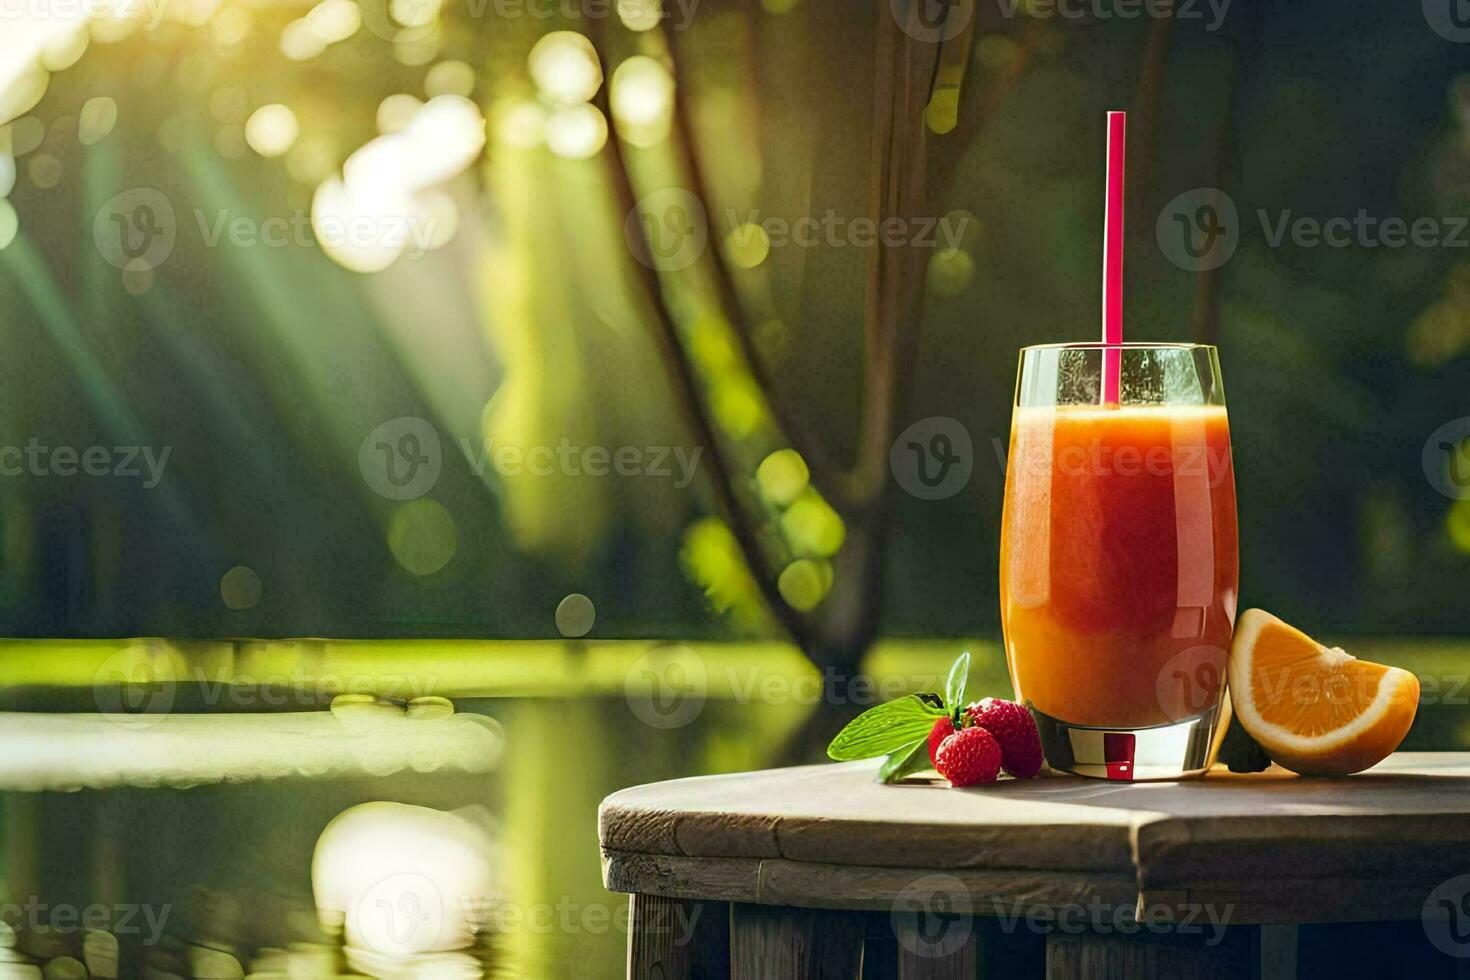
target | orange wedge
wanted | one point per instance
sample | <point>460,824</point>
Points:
<point>1315,710</point>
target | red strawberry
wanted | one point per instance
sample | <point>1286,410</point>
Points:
<point>1015,730</point>
<point>943,729</point>
<point>969,756</point>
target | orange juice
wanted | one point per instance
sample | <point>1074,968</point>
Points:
<point>1118,562</point>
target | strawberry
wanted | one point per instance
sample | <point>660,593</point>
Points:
<point>1014,730</point>
<point>943,729</point>
<point>967,757</point>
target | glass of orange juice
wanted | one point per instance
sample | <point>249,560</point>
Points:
<point>1119,556</point>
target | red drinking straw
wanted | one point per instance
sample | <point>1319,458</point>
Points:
<point>1112,310</point>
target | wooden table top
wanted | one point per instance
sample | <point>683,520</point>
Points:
<point>1272,846</point>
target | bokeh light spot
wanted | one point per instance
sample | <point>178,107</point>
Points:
<point>449,78</point>
<point>738,406</point>
<point>272,130</point>
<point>813,527</point>
<point>575,615</point>
<point>805,583</point>
<point>422,536</point>
<point>782,476</point>
<point>334,20</point>
<point>640,15</point>
<point>565,67</point>
<point>231,26</point>
<point>748,245</point>
<point>397,111</point>
<point>65,51</point>
<point>519,123</point>
<point>97,119</point>
<point>44,171</point>
<point>576,132</point>
<point>240,588</point>
<point>950,271</point>
<point>1457,523</point>
<point>642,97</point>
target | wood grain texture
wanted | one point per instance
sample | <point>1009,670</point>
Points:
<point>1273,847</point>
<point>930,951</point>
<point>781,882</point>
<point>776,943</point>
<point>1097,957</point>
<point>673,939</point>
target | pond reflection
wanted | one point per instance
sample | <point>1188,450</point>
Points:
<point>218,827</point>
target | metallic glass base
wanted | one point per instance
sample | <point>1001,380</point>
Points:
<point>1175,751</point>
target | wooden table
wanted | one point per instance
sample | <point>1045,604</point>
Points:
<point>820,871</point>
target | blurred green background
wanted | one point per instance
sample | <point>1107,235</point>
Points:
<point>332,405</point>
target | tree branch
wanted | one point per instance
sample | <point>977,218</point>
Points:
<point>825,472</point>
<point>686,388</point>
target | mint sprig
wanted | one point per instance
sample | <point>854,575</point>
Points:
<point>881,729</point>
<point>900,729</point>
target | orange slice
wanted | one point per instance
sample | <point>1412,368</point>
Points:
<point>1315,710</point>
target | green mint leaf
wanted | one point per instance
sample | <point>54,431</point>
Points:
<point>884,728</point>
<point>909,759</point>
<point>954,688</point>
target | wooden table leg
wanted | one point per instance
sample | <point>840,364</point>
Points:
<point>935,947</point>
<point>674,939</point>
<point>773,942</point>
<point>1112,956</point>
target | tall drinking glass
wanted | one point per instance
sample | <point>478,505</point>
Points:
<point>1119,555</point>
